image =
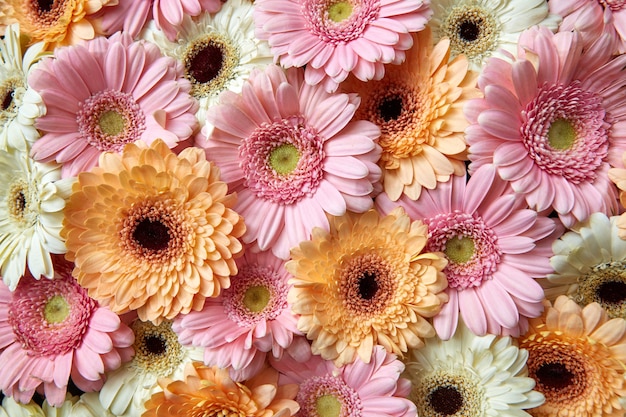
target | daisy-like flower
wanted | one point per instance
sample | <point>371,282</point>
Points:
<point>419,109</point>
<point>51,330</point>
<point>158,354</point>
<point>168,15</point>
<point>292,154</point>
<point>106,93</point>
<point>471,375</point>
<point>152,231</point>
<point>32,198</point>
<point>366,282</point>
<point>495,246</point>
<point>340,37</point>
<point>576,355</point>
<point>480,29</point>
<point>246,321</point>
<point>20,105</point>
<point>56,22</point>
<point>589,264</point>
<point>209,391</point>
<point>551,124</point>
<point>84,406</point>
<point>218,51</point>
<point>11,408</point>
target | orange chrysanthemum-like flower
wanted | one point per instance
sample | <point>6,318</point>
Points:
<point>209,391</point>
<point>57,23</point>
<point>577,358</point>
<point>366,282</point>
<point>152,231</point>
<point>419,108</point>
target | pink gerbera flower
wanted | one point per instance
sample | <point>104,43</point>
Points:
<point>132,15</point>
<point>246,321</point>
<point>106,93</point>
<point>354,390</point>
<point>495,246</point>
<point>292,154</point>
<point>552,122</point>
<point>335,38</point>
<point>51,330</point>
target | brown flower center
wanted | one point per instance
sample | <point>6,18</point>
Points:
<point>390,108</point>
<point>206,62</point>
<point>45,13</point>
<point>606,285</point>
<point>469,30</point>
<point>157,349</point>
<point>554,375</point>
<point>209,64</point>
<point>152,234</point>
<point>18,203</point>
<point>445,393</point>
<point>155,344</point>
<point>367,284</point>
<point>446,400</point>
<point>7,99</point>
<point>45,5</point>
<point>472,30</point>
<point>612,292</point>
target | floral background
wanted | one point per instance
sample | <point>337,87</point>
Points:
<point>331,208</point>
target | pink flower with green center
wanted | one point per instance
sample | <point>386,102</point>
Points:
<point>51,330</point>
<point>495,247</point>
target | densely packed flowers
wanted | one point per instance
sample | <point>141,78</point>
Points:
<point>312,208</point>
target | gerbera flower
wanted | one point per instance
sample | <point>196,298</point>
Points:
<point>366,282</point>
<point>292,154</point>
<point>20,105</point>
<point>336,38</point>
<point>577,356</point>
<point>32,198</point>
<point>209,391</point>
<point>11,408</point>
<point>218,51</point>
<point>480,29</point>
<point>357,389</point>
<point>494,245</point>
<point>158,354</point>
<point>471,375</point>
<point>152,231</point>
<point>51,330</point>
<point>84,406</point>
<point>132,15</point>
<point>553,129</point>
<point>418,107</point>
<point>55,22</point>
<point>106,93</point>
<point>245,321</point>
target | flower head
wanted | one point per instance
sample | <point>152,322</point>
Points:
<point>576,355</point>
<point>106,93</point>
<point>51,330</point>
<point>152,231</point>
<point>292,154</point>
<point>366,282</point>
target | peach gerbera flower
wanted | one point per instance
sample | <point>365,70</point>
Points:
<point>152,231</point>
<point>576,355</point>
<point>209,391</point>
<point>419,109</point>
<point>366,282</point>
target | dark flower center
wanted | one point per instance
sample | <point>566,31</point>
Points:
<point>7,100</point>
<point>446,400</point>
<point>155,344</point>
<point>205,62</point>
<point>469,31</point>
<point>45,5</point>
<point>554,375</point>
<point>390,108</point>
<point>612,292</point>
<point>368,286</point>
<point>152,234</point>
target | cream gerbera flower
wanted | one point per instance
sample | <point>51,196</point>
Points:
<point>577,357</point>
<point>86,405</point>
<point>152,231</point>
<point>366,282</point>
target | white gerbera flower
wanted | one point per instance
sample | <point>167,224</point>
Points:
<point>158,354</point>
<point>479,28</point>
<point>32,199</point>
<point>218,51</point>
<point>11,408</point>
<point>470,375</point>
<point>87,405</point>
<point>590,265</point>
<point>19,104</point>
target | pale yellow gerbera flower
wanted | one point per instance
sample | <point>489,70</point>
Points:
<point>152,231</point>
<point>366,282</point>
<point>419,109</point>
<point>577,358</point>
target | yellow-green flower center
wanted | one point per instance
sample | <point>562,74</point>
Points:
<point>284,158</point>
<point>340,11</point>
<point>561,135</point>
<point>111,123</point>
<point>56,310</point>
<point>256,298</point>
<point>460,250</point>
<point>328,406</point>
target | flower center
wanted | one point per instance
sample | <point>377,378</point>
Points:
<point>446,400</point>
<point>157,350</point>
<point>151,234</point>
<point>446,392</point>
<point>328,406</point>
<point>565,132</point>
<point>606,285</point>
<point>390,108</point>
<point>340,11</point>
<point>367,284</point>
<point>56,309</point>
<point>154,344</point>
<point>282,161</point>
<point>469,244</point>
<point>554,376</point>
<point>339,21</point>
<point>18,201</point>
<point>11,91</point>
<point>473,31</point>
<point>328,396</point>
<point>209,64</point>
<point>46,13</point>
<point>110,119</point>
<point>7,98</point>
<point>256,298</point>
<point>45,5</point>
